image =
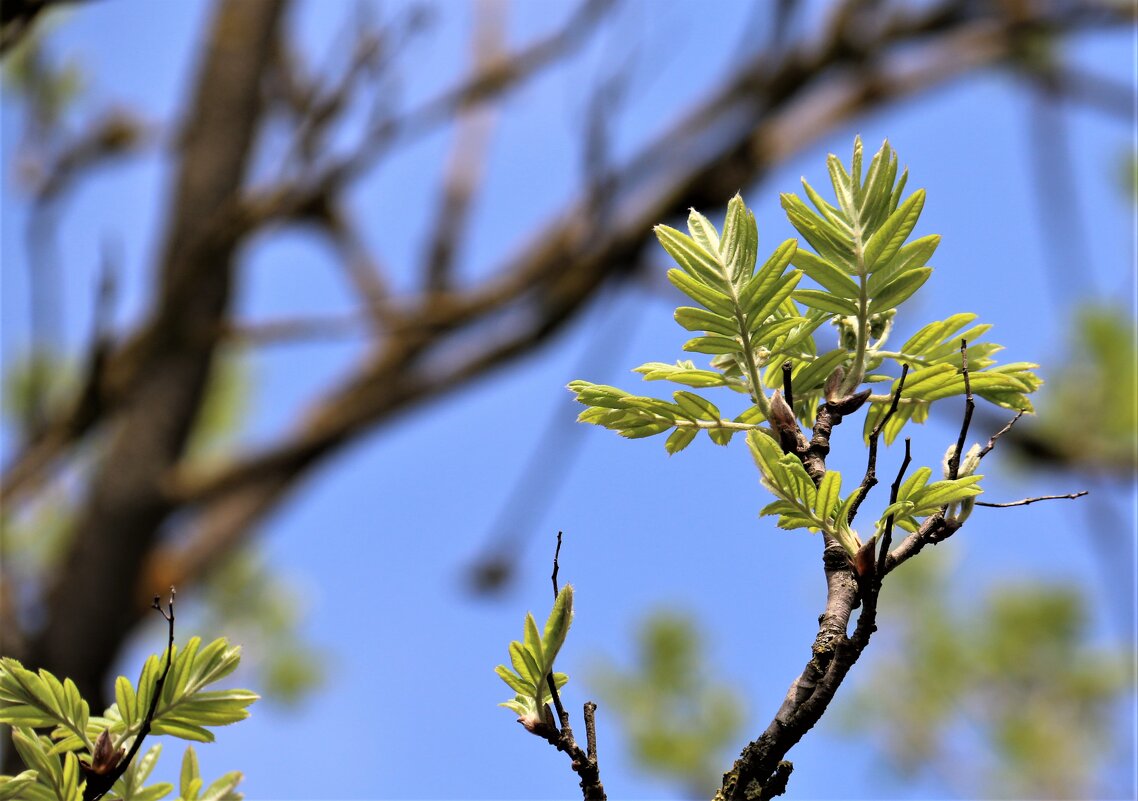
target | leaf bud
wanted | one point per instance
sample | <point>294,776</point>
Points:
<point>847,331</point>
<point>834,384</point>
<point>881,323</point>
<point>784,423</point>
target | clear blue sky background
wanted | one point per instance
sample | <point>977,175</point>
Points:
<point>379,540</point>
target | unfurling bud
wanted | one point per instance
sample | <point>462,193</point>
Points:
<point>968,464</point>
<point>863,560</point>
<point>784,423</point>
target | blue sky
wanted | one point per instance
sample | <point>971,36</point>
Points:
<point>378,541</point>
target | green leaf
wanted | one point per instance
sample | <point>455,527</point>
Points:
<point>701,293</point>
<point>942,493</point>
<point>935,333</point>
<point>686,375</point>
<point>182,729</point>
<point>713,344</point>
<point>557,626</point>
<point>763,306</point>
<point>703,232</point>
<point>696,407</point>
<point>889,238</point>
<point>843,187</point>
<point>825,301</point>
<point>189,780</point>
<point>721,436</point>
<point>680,439</point>
<point>912,256</point>
<point>702,320</point>
<point>825,237</point>
<point>826,274</point>
<point>125,698</point>
<point>740,244</point>
<point>829,494</point>
<point>899,289</point>
<point>524,663</point>
<point>695,261</point>
<point>12,788</point>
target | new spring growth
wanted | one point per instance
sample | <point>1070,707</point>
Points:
<point>968,464</point>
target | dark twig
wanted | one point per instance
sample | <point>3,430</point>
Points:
<point>787,387</point>
<point>553,577</point>
<point>584,763</point>
<point>108,764</point>
<point>887,532</point>
<point>969,405</point>
<point>591,730</point>
<point>1026,501</point>
<point>870,480</point>
<point>992,442</point>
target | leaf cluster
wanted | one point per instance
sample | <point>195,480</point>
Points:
<point>31,700</point>
<point>757,323</point>
<point>532,658</point>
<point>801,504</point>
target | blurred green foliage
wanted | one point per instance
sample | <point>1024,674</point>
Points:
<point>1091,417</point>
<point>1004,697</point>
<point>681,721</point>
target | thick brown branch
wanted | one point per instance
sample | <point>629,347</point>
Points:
<point>126,506</point>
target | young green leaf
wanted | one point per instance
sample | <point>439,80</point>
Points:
<point>889,238</point>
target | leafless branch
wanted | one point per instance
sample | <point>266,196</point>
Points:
<point>1026,501</point>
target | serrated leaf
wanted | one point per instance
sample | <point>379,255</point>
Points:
<point>12,788</point>
<point>183,729</point>
<point>557,625</point>
<point>712,344</point>
<point>829,493</point>
<point>697,407</point>
<point>888,239</point>
<point>942,493</point>
<point>126,700</point>
<point>843,186</point>
<point>645,429</point>
<point>694,260</point>
<point>830,243</point>
<point>721,436</point>
<point>740,243</point>
<point>914,483</point>
<point>763,306</point>
<point>515,682</point>
<point>899,289</point>
<point>910,257</point>
<point>762,285</point>
<point>826,274</point>
<point>680,439</point>
<point>701,293</point>
<point>703,320</point>
<point>831,213</point>
<point>814,374</point>
<point>524,663</point>
<point>825,301</point>
<point>703,232</point>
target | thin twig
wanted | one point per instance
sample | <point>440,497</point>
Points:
<point>887,532</point>
<point>591,730</point>
<point>992,442</point>
<point>870,480</point>
<point>787,388</point>
<point>553,577</point>
<point>969,405</point>
<point>98,781</point>
<point>1026,501</point>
